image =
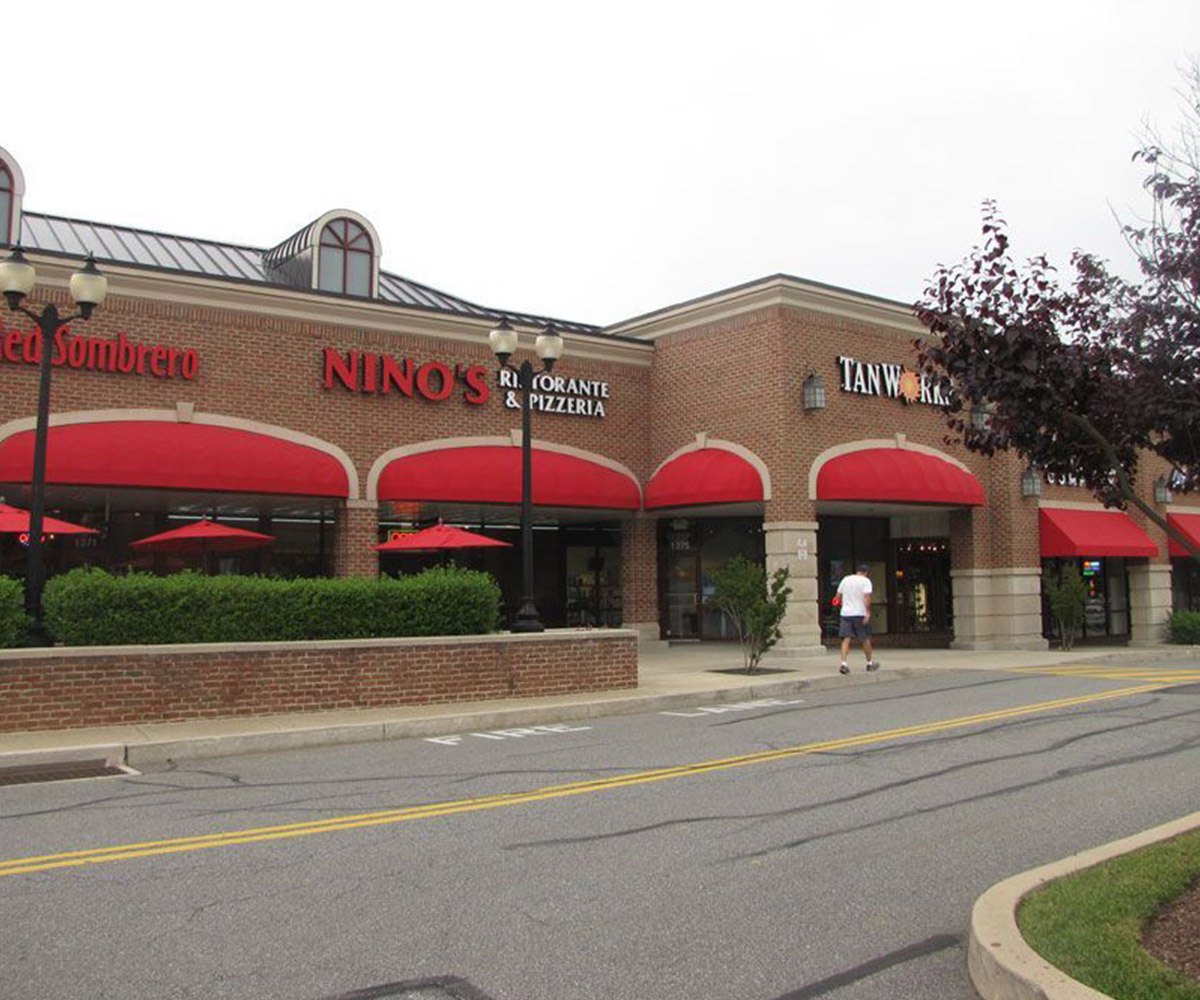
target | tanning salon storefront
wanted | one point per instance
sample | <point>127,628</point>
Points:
<point>303,391</point>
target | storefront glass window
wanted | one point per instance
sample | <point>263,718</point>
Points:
<point>576,570</point>
<point>690,550</point>
<point>1185,584</point>
<point>302,546</point>
<point>1106,600</point>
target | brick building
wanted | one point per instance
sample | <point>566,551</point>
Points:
<point>303,391</point>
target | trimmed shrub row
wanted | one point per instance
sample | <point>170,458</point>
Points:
<point>1184,627</point>
<point>12,612</point>
<point>89,607</point>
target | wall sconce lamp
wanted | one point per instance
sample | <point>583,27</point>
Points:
<point>1162,490</point>
<point>814,392</point>
<point>1031,482</point>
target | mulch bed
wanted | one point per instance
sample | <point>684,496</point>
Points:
<point>1173,936</point>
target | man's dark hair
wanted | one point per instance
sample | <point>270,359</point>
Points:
<point>863,568</point>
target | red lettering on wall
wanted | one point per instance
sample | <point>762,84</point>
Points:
<point>477,387</point>
<point>380,374</point>
<point>99,354</point>
<point>430,389</point>
<point>370,371</point>
<point>397,373</point>
<point>33,348</point>
<point>345,370</point>
<point>12,344</point>
<point>60,346</point>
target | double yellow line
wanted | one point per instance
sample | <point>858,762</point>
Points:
<point>1164,675</point>
<point>178,845</point>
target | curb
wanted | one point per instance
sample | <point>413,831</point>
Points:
<point>1001,963</point>
<point>298,734</point>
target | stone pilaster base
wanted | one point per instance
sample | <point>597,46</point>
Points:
<point>648,634</point>
<point>1149,603</point>
<point>998,608</point>
<point>793,544</point>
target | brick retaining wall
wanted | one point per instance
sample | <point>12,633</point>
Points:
<point>69,688</point>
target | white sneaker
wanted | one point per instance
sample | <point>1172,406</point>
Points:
<point>873,665</point>
<point>843,669</point>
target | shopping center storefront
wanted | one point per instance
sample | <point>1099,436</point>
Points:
<point>1185,571</point>
<point>1102,547</point>
<point>303,391</point>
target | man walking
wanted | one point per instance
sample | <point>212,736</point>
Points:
<point>855,594</point>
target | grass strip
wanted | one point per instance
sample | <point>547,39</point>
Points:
<point>1089,924</point>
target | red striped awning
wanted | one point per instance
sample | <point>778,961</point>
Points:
<point>898,475</point>
<point>1097,533</point>
<point>492,474</point>
<point>1189,525</point>
<point>160,454</point>
<point>707,475</point>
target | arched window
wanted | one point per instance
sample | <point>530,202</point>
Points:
<point>346,258</point>
<point>7,190</point>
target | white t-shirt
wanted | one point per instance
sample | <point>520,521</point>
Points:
<point>855,590</point>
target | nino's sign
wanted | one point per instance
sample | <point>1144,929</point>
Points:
<point>881,379</point>
<point>375,374</point>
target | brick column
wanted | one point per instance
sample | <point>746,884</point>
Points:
<point>639,577</point>
<point>354,532</point>
<point>793,544</point>
<point>1149,603</point>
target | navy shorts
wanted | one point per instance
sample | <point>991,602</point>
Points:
<point>853,627</point>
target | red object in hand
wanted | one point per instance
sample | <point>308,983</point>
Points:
<point>837,600</point>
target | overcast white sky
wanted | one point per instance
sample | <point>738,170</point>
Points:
<point>597,161</point>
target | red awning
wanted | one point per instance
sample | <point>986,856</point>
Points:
<point>1189,524</point>
<point>492,474</point>
<point>161,454</point>
<point>707,475</point>
<point>897,475</point>
<point>1097,533</point>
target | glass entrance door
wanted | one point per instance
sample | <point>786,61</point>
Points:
<point>922,592</point>
<point>681,579</point>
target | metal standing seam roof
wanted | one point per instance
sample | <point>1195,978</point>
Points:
<point>160,251</point>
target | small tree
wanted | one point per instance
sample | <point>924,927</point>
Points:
<point>740,590</point>
<point>1068,604</point>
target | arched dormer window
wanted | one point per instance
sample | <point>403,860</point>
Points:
<point>346,258</point>
<point>8,197</point>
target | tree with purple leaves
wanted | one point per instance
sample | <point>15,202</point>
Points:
<point>1084,378</point>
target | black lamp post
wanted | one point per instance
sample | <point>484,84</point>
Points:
<point>549,348</point>
<point>88,288</point>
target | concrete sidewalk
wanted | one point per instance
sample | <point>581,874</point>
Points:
<point>669,677</point>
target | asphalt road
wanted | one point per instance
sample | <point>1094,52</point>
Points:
<point>830,847</point>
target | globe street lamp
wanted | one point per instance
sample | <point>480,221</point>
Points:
<point>88,288</point>
<point>549,347</point>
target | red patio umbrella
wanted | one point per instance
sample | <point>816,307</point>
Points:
<point>15,521</point>
<point>202,537</point>
<point>440,538</point>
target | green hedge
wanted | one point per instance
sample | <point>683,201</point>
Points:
<point>12,612</point>
<point>89,607</point>
<point>1184,627</point>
